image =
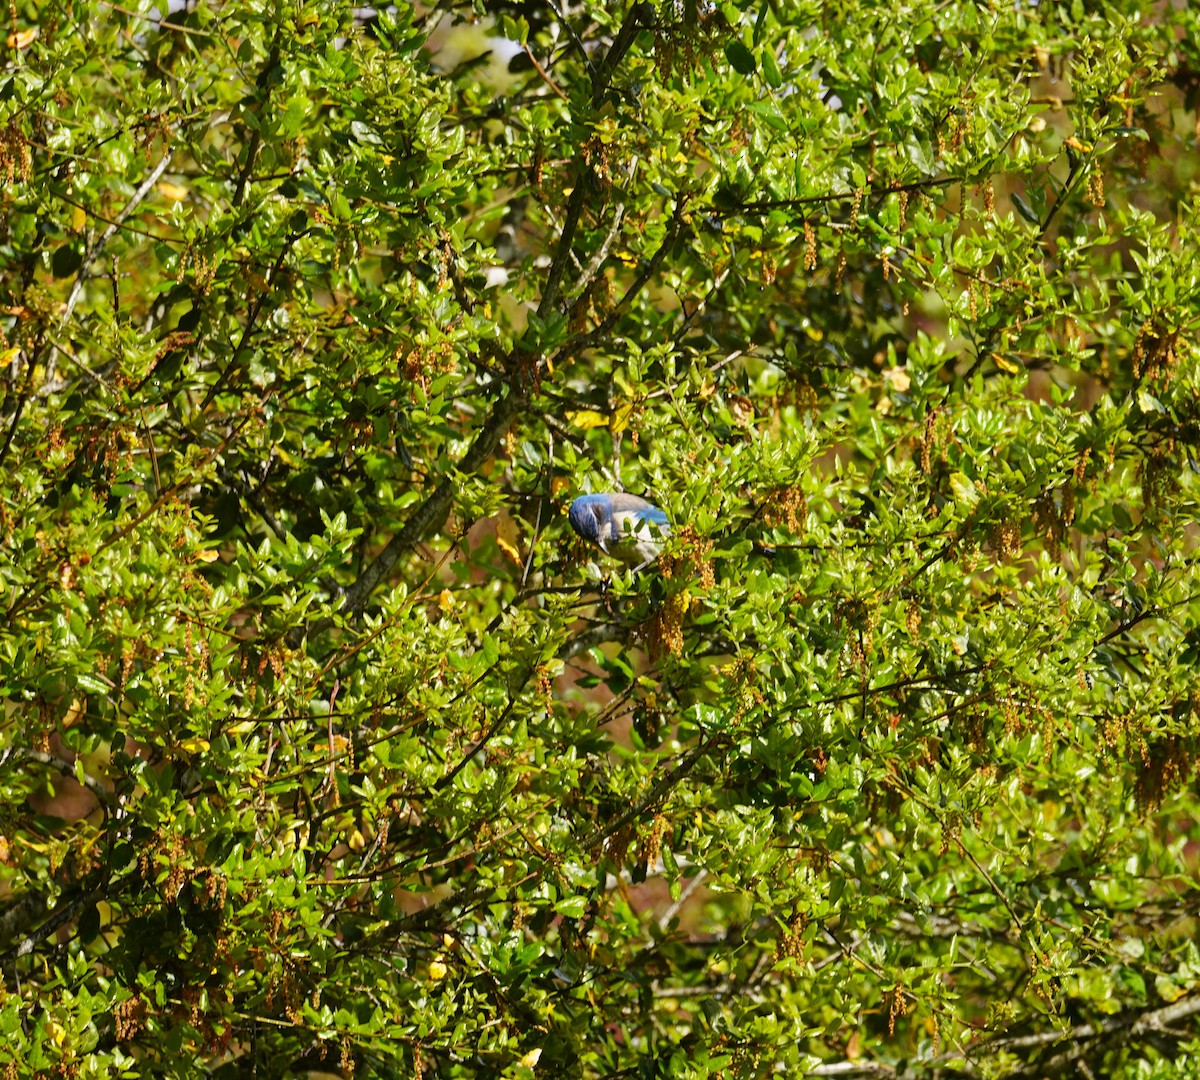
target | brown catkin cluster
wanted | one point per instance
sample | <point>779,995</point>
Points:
<point>421,362</point>
<point>785,506</point>
<point>952,825</point>
<point>1162,765</point>
<point>855,207</point>
<point>1005,538</point>
<point>681,42</point>
<point>810,247</point>
<point>741,677</point>
<point>791,942</point>
<point>1155,353</point>
<point>664,631</point>
<point>1081,465</point>
<point>914,616</point>
<point>928,441</point>
<point>1010,712</point>
<point>129,1018</point>
<point>652,843</point>
<point>16,158</point>
<point>1158,473</point>
<point>1049,523</point>
<point>860,619</point>
<point>899,1007</point>
<point>178,873</point>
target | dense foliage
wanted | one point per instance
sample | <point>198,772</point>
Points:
<point>327,746</point>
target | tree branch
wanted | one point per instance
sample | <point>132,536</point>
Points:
<point>67,768</point>
<point>1132,1026</point>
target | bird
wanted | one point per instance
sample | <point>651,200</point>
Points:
<point>625,526</point>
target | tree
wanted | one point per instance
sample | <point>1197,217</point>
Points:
<point>326,746</point>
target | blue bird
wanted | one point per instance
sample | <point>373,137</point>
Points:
<point>621,525</point>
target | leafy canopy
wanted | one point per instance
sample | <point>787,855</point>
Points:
<point>326,746</point>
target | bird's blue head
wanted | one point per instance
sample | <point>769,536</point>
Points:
<point>588,515</point>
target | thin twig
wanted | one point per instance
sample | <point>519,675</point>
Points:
<point>542,72</point>
<point>601,253</point>
<point>570,30</point>
<point>95,250</point>
<point>684,895</point>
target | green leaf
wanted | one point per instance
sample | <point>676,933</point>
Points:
<point>572,907</point>
<point>740,58</point>
<point>1024,209</point>
<point>66,261</point>
<point>770,69</point>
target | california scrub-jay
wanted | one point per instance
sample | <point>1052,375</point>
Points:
<point>622,525</point>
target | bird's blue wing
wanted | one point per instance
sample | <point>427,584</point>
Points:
<point>638,529</point>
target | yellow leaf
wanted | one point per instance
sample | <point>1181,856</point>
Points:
<point>242,727</point>
<point>174,192</point>
<point>619,420</point>
<point>586,419</point>
<point>446,599</point>
<point>1005,364</point>
<point>437,970</point>
<point>532,1058</point>
<point>78,218</point>
<point>96,764</point>
<point>507,537</point>
<point>9,355</point>
<point>22,39</point>
<point>898,378</point>
<point>356,841</point>
<point>208,555</point>
<point>1079,146</point>
<point>1168,990</point>
<point>194,746</point>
